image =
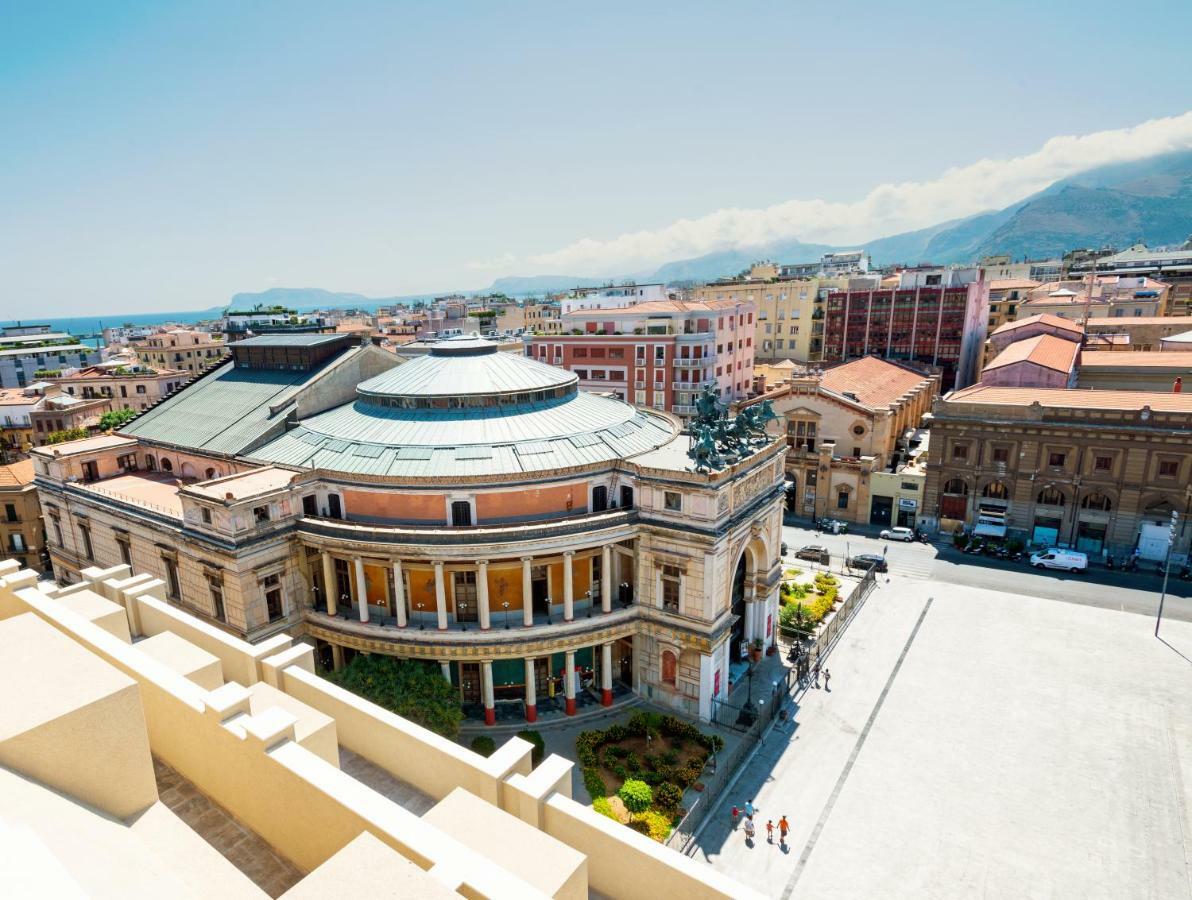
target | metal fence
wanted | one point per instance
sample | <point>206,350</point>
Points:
<point>753,722</point>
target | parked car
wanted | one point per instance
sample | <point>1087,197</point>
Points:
<point>815,553</point>
<point>868,561</point>
<point>1056,558</point>
<point>833,526</point>
<point>898,533</point>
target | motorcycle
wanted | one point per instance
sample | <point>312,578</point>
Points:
<point>974,547</point>
<point>1132,565</point>
<point>1185,574</point>
<point>1110,564</point>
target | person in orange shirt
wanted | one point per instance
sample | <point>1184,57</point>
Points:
<point>783,828</point>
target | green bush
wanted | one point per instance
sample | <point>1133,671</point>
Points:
<point>636,795</point>
<point>668,796</point>
<point>67,434</point>
<point>594,784</point>
<point>602,806</point>
<point>960,540</point>
<point>640,825</point>
<point>115,418</point>
<point>539,751</point>
<point>587,745</point>
<point>414,690</point>
<point>484,745</point>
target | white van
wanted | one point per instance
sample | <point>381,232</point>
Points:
<point>1055,558</point>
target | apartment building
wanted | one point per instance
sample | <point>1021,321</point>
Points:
<point>1133,333</point>
<point>611,296</point>
<point>16,426</point>
<point>1109,296</point>
<point>789,321</point>
<point>658,354</point>
<point>29,352</point>
<point>928,315</point>
<point>22,535</point>
<point>1173,267</point>
<point>1098,470</point>
<point>535,316</point>
<point>181,350</point>
<point>129,385</point>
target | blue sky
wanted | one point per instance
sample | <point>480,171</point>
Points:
<point>167,155</point>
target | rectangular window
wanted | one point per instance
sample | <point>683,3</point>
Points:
<point>206,516</point>
<point>842,500</point>
<point>85,532</point>
<point>960,452</point>
<point>272,587</point>
<point>125,551</point>
<point>217,601</point>
<point>260,514</point>
<point>659,354</point>
<point>461,513</point>
<point>1001,454</point>
<point>672,501</point>
<point>1168,468</point>
<point>1056,459</point>
<point>1102,463</point>
<point>10,512</point>
<point>58,532</point>
<point>670,588</point>
<point>310,505</point>
<point>175,592</point>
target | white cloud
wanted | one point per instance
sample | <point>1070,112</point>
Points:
<point>504,261</point>
<point>887,209</point>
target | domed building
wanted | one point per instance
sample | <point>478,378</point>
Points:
<point>472,507</point>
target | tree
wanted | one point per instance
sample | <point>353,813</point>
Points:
<point>636,795</point>
<point>414,690</point>
<point>115,418</point>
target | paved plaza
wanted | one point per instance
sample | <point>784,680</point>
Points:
<point>979,743</point>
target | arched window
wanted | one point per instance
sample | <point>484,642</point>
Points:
<point>1096,500</point>
<point>670,665</point>
<point>150,462</point>
<point>210,473</point>
<point>1050,496</point>
<point>956,486</point>
<point>996,490</point>
<point>166,465</point>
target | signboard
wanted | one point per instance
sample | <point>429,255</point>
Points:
<point>769,623</point>
<point>907,503</point>
<point>716,684</point>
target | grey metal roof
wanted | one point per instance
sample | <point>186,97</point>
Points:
<point>289,340</point>
<point>460,376</point>
<point>225,411</point>
<point>360,438</point>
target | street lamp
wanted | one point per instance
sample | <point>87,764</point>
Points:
<point>588,596</point>
<point>1175,518</point>
<point>505,604</point>
<point>421,621</point>
<point>748,712</point>
<point>549,601</point>
<point>345,604</point>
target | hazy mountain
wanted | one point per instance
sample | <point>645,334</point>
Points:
<point>515,285</point>
<point>307,298</point>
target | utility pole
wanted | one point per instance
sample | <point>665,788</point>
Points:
<point>1175,518</point>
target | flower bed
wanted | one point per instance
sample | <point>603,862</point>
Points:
<point>803,609</point>
<point>646,765</point>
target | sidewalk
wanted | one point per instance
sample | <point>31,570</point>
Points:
<point>796,766</point>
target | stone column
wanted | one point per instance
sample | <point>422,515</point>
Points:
<point>337,657</point>
<point>440,595</point>
<point>568,591</point>
<point>531,692</point>
<point>527,592</point>
<point>445,668</point>
<point>329,587</point>
<point>606,674</point>
<point>569,682</point>
<point>606,578</point>
<point>399,595</point>
<point>361,589</point>
<point>482,593</point>
<point>486,692</point>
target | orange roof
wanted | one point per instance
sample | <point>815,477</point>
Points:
<point>17,397</point>
<point>16,474</point>
<point>1044,350</point>
<point>1072,398</point>
<point>1142,359</point>
<point>875,382</point>
<point>1009,284</point>
<point>1120,321</point>
<point>1041,318</point>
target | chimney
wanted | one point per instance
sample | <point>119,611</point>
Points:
<point>1178,387</point>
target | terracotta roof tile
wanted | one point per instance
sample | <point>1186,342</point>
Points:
<point>1063,398</point>
<point>1010,284</point>
<point>1041,318</point>
<point>1141,359</point>
<point>16,474</point>
<point>1044,350</point>
<point>875,382</point>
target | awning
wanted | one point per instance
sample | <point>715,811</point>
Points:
<point>988,529</point>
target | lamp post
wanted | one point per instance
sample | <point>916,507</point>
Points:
<point>345,604</point>
<point>1175,518</point>
<point>314,589</point>
<point>748,712</point>
<point>505,606</point>
<point>588,596</point>
<point>421,622</point>
<point>548,606</point>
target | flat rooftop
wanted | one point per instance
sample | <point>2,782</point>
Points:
<point>152,490</point>
<point>86,445</point>
<point>243,485</point>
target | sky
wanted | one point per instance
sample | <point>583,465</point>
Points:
<point>164,156</point>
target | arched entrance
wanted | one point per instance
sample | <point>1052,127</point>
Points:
<point>737,641</point>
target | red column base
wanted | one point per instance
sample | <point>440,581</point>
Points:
<point>570,706</point>
<point>490,716</point>
<point>531,712</point>
<point>606,697</point>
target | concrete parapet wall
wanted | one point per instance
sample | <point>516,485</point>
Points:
<point>630,866</point>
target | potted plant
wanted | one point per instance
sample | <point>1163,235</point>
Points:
<point>771,650</point>
<point>755,649</point>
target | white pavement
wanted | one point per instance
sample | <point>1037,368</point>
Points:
<point>982,744</point>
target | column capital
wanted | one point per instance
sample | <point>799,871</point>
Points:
<point>482,562</point>
<point>527,559</point>
<point>437,563</point>
<point>569,553</point>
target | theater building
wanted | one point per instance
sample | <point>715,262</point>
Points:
<point>1096,470</point>
<point>469,507</point>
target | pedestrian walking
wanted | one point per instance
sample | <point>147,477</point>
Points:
<point>769,831</point>
<point>749,808</point>
<point>827,679</point>
<point>816,673</point>
<point>783,828</point>
<point>736,817</point>
<point>750,831</point>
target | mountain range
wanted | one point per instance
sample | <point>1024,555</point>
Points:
<point>1148,201</point>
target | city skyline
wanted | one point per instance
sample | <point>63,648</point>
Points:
<point>171,157</point>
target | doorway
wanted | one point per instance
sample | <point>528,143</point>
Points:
<point>464,591</point>
<point>469,682</point>
<point>881,510</point>
<point>540,590</point>
<point>737,640</point>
